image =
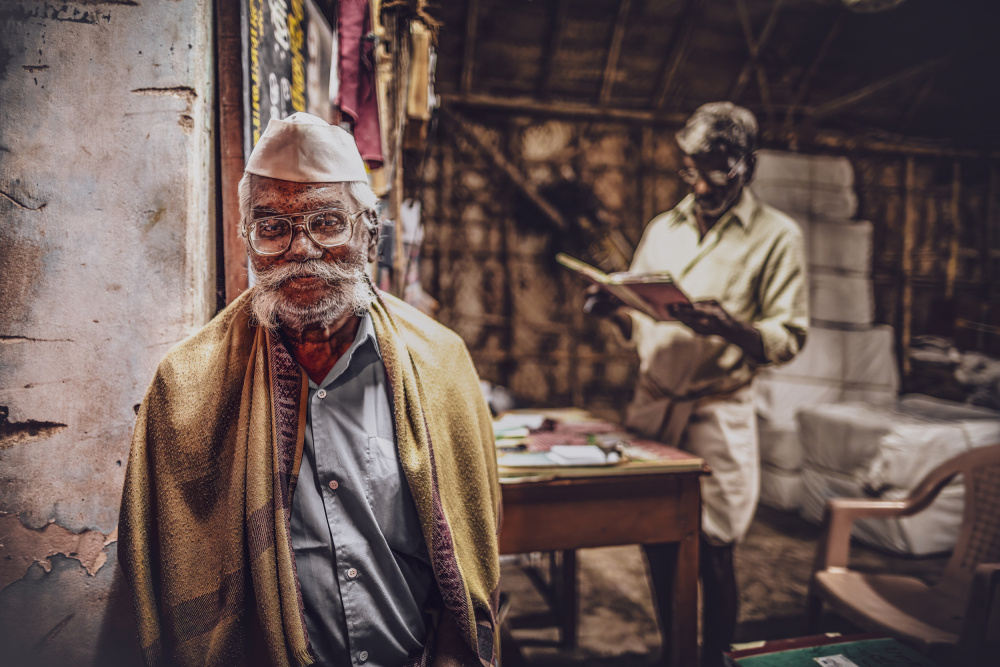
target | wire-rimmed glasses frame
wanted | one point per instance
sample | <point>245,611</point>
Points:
<point>716,177</point>
<point>307,219</point>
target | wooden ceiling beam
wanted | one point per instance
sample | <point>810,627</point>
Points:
<point>906,119</point>
<point>867,92</point>
<point>614,52</point>
<point>876,142</point>
<point>806,82</point>
<point>754,46</point>
<point>556,29</point>
<point>467,130</point>
<point>469,50</point>
<point>562,109</point>
<point>676,52</point>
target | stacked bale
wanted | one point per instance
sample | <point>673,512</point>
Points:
<point>846,357</point>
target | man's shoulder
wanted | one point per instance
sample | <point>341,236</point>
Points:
<point>418,326</point>
<point>775,222</point>
<point>225,333</point>
<point>670,216</point>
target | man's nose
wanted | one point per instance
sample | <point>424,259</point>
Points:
<point>701,187</point>
<point>302,247</point>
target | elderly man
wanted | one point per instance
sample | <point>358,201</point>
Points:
<point>312,478</point>
<point>741,263</point>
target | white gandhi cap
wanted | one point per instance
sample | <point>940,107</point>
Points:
<point>306,149</point>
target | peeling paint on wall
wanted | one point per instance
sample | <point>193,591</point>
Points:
<point>18,203</point>
<point>11,340</point>
<point>185,93</point>
<point>68,12</point>
<point>21,546</point>
<point>14,433</point>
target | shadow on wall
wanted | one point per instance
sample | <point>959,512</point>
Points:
<point>92,611</point>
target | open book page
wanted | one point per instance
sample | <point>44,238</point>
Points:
<point>648,293</point>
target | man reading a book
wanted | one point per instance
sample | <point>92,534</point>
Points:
<point>742,265</point>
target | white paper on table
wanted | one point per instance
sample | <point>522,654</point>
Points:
<point>836,661</point>
<point>578,455</point>
<point>510,422</point>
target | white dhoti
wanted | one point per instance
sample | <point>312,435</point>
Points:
<point>722,430</point>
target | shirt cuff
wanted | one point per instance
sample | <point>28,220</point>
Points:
<point>781,342</point>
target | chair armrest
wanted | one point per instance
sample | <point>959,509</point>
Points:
<point>981,628</point>
<point>840,514</point>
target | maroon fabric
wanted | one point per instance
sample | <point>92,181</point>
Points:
<point>357,96</point>
<point>286,393</point>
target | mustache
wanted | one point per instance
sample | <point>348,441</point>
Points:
<point>332,273</point>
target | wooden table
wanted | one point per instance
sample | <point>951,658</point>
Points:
<point>568,514</point>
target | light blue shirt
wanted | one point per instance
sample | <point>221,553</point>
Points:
<point>359,549</point>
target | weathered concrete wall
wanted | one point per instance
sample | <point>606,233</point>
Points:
<point>106,260</point>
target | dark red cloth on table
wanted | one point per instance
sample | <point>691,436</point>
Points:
<point>357,97</point>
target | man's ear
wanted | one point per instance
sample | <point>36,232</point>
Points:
<point>373,241</point>
<point>751,162</point>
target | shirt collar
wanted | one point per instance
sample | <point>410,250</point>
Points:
<point>743,211</point>
<point>366,332</point>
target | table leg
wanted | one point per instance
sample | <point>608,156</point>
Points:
<point>684,647</point>
<point>568,599</point>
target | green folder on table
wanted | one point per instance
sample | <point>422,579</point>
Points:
<point>866,653</point>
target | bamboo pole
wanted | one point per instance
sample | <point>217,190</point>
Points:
<point>909,233</point>
<point>956,229</point>
<point>229,72</point>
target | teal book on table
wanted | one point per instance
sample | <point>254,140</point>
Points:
<point>867,653</point>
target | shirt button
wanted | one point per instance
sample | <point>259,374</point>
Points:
<point>334,484</point>
<point>352,573</point>
<point>363,656</point>
<point>321,393</point>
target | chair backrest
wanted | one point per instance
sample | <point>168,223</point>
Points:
<point>979,538</point>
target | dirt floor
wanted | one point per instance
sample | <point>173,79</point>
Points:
<point>617,619</point>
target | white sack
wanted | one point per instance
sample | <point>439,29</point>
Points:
<point>822,357</point>
<point>870,359</point>
<point>910,451</point>
<point>885,397</point>
<point>811,200</point>
<point>929,407</point>
<point>860,359</point>
<point>841,299</point>
<point>801,168</point>
<point>779,445</point>
<point>841,246</point>
<point>780,489</point>
<point>844,436</point>
<point>778,399</point>
<point>934,530</point>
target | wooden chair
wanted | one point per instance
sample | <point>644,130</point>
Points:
<point>959,617</point>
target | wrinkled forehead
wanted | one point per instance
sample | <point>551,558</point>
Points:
<point>271,196</point>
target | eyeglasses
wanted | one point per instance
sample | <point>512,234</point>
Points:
<point>327,228</point>
<point>716,177</point>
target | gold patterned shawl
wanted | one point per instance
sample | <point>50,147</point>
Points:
<point>204,532</point>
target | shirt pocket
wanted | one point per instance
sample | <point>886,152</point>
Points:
<point>390,498</point>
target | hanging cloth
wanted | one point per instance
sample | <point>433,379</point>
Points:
<point>357,96</point>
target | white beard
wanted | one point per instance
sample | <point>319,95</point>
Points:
<point>349,291</point>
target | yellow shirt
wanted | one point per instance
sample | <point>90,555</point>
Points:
<point>752,262</point>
